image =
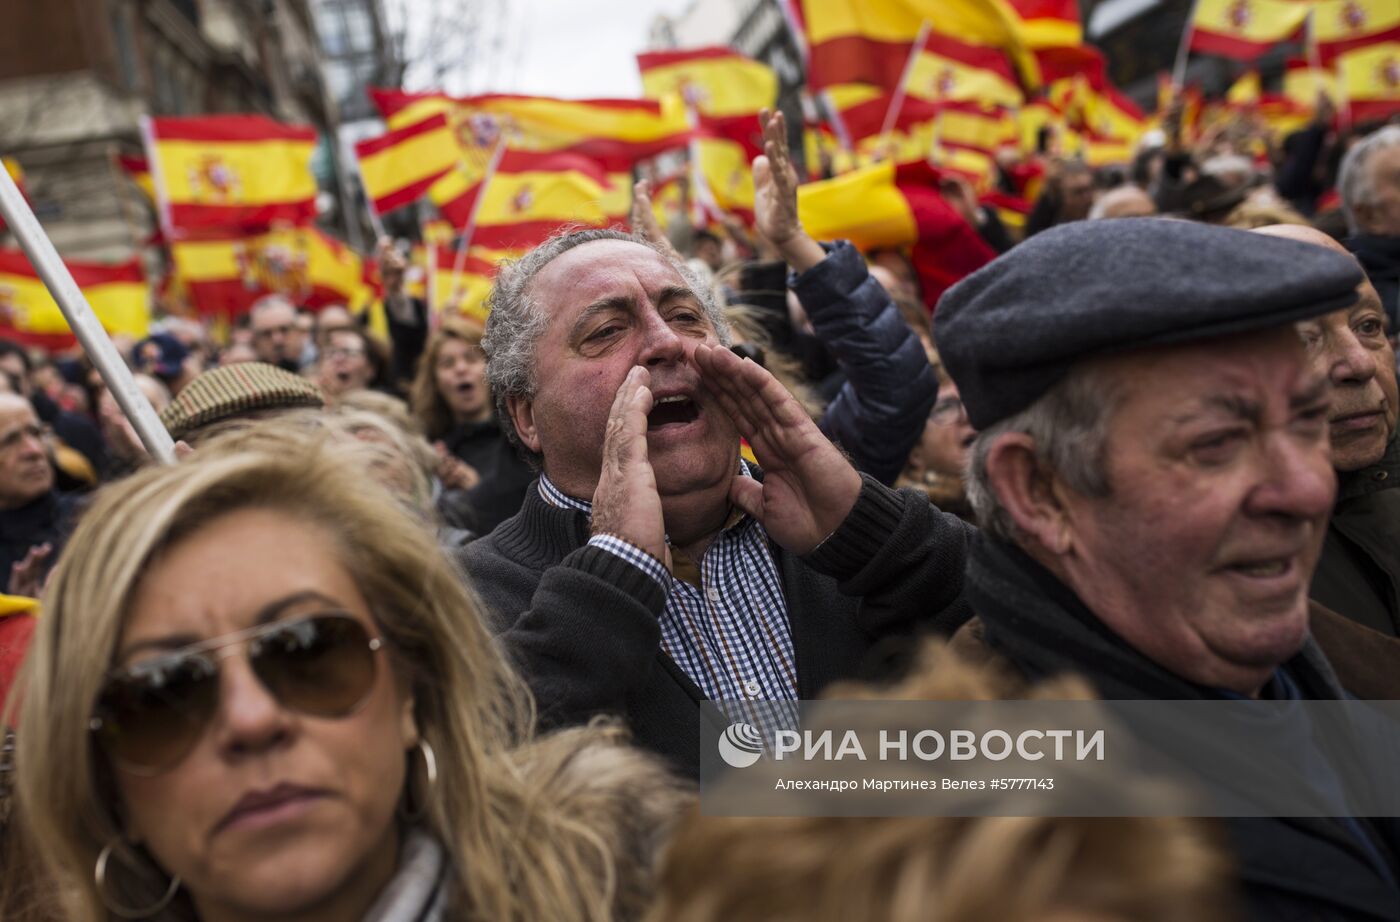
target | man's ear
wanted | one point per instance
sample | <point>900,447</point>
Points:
<point>1031,494</point>
<point>522,414</point>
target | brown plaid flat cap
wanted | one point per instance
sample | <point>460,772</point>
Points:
<point>233,390</point>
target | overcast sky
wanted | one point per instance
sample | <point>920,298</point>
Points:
<point>568,48</point>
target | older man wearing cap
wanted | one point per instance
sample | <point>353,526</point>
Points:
<point>1153,478</point>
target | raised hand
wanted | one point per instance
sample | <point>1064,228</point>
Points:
<point>644,220</point>
<point>775,197</point>
<point>392,266</point>
<point>627,503</point>
<point>808,486</point>
<point>24,574</point>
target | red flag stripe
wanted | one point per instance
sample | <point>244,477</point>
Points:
<point>229,128</point>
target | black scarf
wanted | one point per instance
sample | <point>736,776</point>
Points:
<point>1041,626</point>
<point>1290,865</point>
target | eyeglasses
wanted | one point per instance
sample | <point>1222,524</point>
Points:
<point>150,715</point>
<point>946,411</point>
<point>344,353</point>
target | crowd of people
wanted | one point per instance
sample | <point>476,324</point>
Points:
<point>420,628</point>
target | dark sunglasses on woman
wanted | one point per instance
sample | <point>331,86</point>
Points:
<point>151,714</point>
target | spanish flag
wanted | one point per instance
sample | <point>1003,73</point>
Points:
<point>465,292</point>
<point>1245,91</point>
<point>618,132</point>
<point>530,197</point>
<point>728,172</point>
<point>118,295</point>
<point>1340,26</point>
<point>879,207</point>
<point>138,170</point>
<point>1244,29</point>
<point>714,81</point>
<point>1302,83</point>
<point>1370,78</point>
<point>949,70</point>
<point>231,172</point>
<point>224,277</point>
<point>1048,23</point>
<point>398,167</point>
<point>868,41</point>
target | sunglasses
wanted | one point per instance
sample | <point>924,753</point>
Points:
<point>150,715</point>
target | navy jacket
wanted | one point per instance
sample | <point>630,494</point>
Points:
<point>878,415</point>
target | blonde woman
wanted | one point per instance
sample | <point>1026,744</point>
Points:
<point>259,691</point>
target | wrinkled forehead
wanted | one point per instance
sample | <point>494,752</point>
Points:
<point>602,270</point>
<point>1265,366</point>
<point>15,411</point>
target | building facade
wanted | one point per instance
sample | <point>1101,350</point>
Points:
<point>76,76</point>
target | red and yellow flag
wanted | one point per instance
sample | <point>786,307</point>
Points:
<point>138,170</point>
<point>1340,26</point>
<point>868,41</point>
<point>714,81</point>
<point>617,132</point>
<point>231,172</point>
<point>398,167</point>
<point>954,71</point>
<point>1048,23</point>
<point>225,277</point>
<point>1370,77</point>
<point>530,197</point>
<point>1244,29</point>
<point>1302,83</point>
<point>1245,91</point>
<point>119,296</point>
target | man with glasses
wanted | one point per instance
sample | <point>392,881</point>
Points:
<point>937,463</point>
<point>33,516</point>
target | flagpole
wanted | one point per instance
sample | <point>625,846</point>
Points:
<point>148,141</point>
<point>1182,53</point>
<point>83,321</point>
<point>375,223</point>
<point>897,101</point>
<point>464,244</point>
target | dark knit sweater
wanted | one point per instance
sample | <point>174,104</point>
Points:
<point>581,623</point>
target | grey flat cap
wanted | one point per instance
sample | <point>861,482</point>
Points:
<point>1011,330</point>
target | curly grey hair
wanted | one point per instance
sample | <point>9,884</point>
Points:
<point>1069,424</point>
<point>516,320</point>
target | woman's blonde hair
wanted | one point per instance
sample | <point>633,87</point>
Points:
<point>427,402</point>
<point>516,854</point>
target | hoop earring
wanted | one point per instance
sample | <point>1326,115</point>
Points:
<point>99,876</point>
<point>430,768</point>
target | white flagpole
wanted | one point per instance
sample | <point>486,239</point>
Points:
<point>897,101</point>
<point>83,321</point>
<point>464,244</point>
<point>1184,51</point>
<point>374,220</point>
